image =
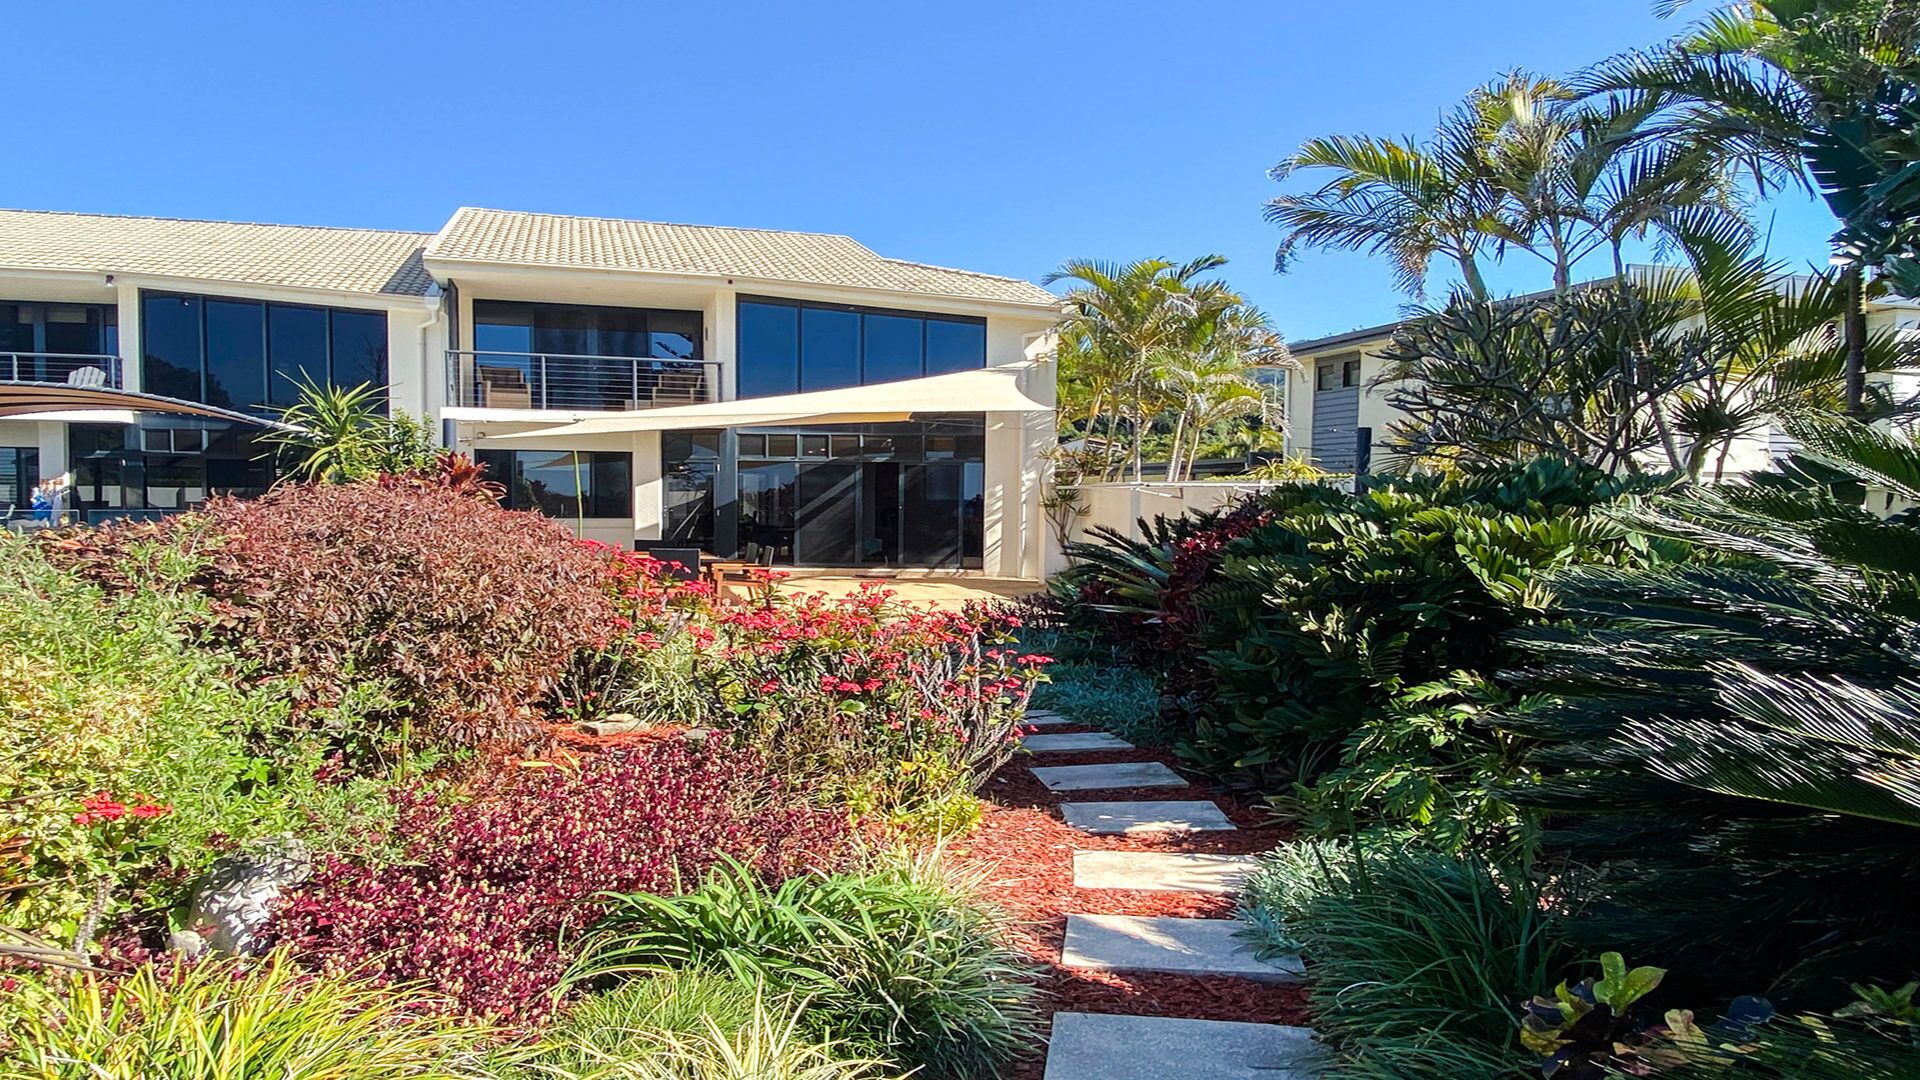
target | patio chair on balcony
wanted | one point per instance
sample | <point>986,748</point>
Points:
<point>86,376</point>
<point>504,388</point>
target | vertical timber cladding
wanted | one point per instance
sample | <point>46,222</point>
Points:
<point>1336,411</point>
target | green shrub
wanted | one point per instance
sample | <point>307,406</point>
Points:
<point>108,712</point>
<point>896,962</point>
<point>1417,960</point>
<point>1338,611</point>
<point>226,1020</point>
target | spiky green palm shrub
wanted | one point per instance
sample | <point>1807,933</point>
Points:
<point>1736,744</point>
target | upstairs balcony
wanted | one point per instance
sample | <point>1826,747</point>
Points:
<point>73,369</point>
<point>481,379</point>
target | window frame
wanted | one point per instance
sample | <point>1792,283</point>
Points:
<point>327,312</point>
<point>588,501</point>
<point>925,318</point>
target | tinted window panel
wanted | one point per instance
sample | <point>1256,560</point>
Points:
<point>829,349</point>
<point>611,493</point>
<point>955,346</point>
<point>236,354</point>
<point>769,350</point>
<point>170,333</point>
<point>296,351</point>
<point>360,349</point>
<point>673,335</point>
<point>893,348</point>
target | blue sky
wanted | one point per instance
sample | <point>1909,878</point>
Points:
<point>1002,137</point>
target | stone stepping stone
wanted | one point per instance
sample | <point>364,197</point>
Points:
<point>1044,718</point>
<point>1179,946</point>
<point>1083,740</point>
<point>1134,818</point>
<point>1133,774</point>
<point>1097,1046</point>
<point>1161,871</point>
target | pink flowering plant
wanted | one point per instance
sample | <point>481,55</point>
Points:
<point>883,706</point>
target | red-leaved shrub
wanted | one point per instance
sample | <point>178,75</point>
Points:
<point>467,613</point>
<point>487,891</point>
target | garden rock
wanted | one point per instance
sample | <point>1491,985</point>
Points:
<point>619,723</point>
<point>235,898</point>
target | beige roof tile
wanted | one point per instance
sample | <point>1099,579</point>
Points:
<point>505,236</point>
<point>293,256</point>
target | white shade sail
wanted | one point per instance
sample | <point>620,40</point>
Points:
<point>993,389</point>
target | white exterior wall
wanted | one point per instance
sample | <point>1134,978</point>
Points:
<point>1015,541</point>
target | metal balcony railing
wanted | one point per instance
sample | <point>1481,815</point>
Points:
<point>75,369</point>
<point>508,380</point>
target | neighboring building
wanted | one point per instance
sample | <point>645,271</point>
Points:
<point>1340,420</point>
<point>785,397</point>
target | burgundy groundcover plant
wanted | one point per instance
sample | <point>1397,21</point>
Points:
<point>486,892</point>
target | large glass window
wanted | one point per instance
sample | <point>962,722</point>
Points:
<point>170,346</point>
<point>787,345</point>
<point>236,353</point>
<point>297,343</point>
<point>830,349</point>
<point>176,464</point>
<point>955,346</point>
<point>246,354</point>
<point>769,350</point>
<point>359,349</point>
<point>894,348</point>
<point>530,355</point>
<point>564,483</point>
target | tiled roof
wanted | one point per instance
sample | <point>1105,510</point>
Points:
<point>293,256</point>
<point>504,236</point>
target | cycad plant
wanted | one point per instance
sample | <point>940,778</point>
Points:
<point>1735,741</point>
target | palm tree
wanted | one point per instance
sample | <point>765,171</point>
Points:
<point>1816,94</point>
<point>1520,164</point>
<point>1579,182</point>
<point>1123,314</point>
<point>1393,197</point>
<point>1205,388</point>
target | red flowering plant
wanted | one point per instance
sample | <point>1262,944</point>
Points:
<point>882,706</point>
<point>640,660</point>
<point>488,893</point>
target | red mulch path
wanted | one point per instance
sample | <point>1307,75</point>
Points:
<point>1023,854</point>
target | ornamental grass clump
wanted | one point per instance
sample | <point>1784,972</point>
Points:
<point>227,1020</point>
<point>487,893</point>
<point>898,962</point>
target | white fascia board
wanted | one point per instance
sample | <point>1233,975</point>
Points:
<point>242,290</point>
<point>444,269</point>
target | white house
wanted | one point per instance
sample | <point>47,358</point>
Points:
<point>785,397</point>
<point>1339,416</point>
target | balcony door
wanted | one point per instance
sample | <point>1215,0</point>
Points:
<point>49,342</point>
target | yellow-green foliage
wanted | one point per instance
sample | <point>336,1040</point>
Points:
<point>103,694</point>
<point>228,1020</point>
